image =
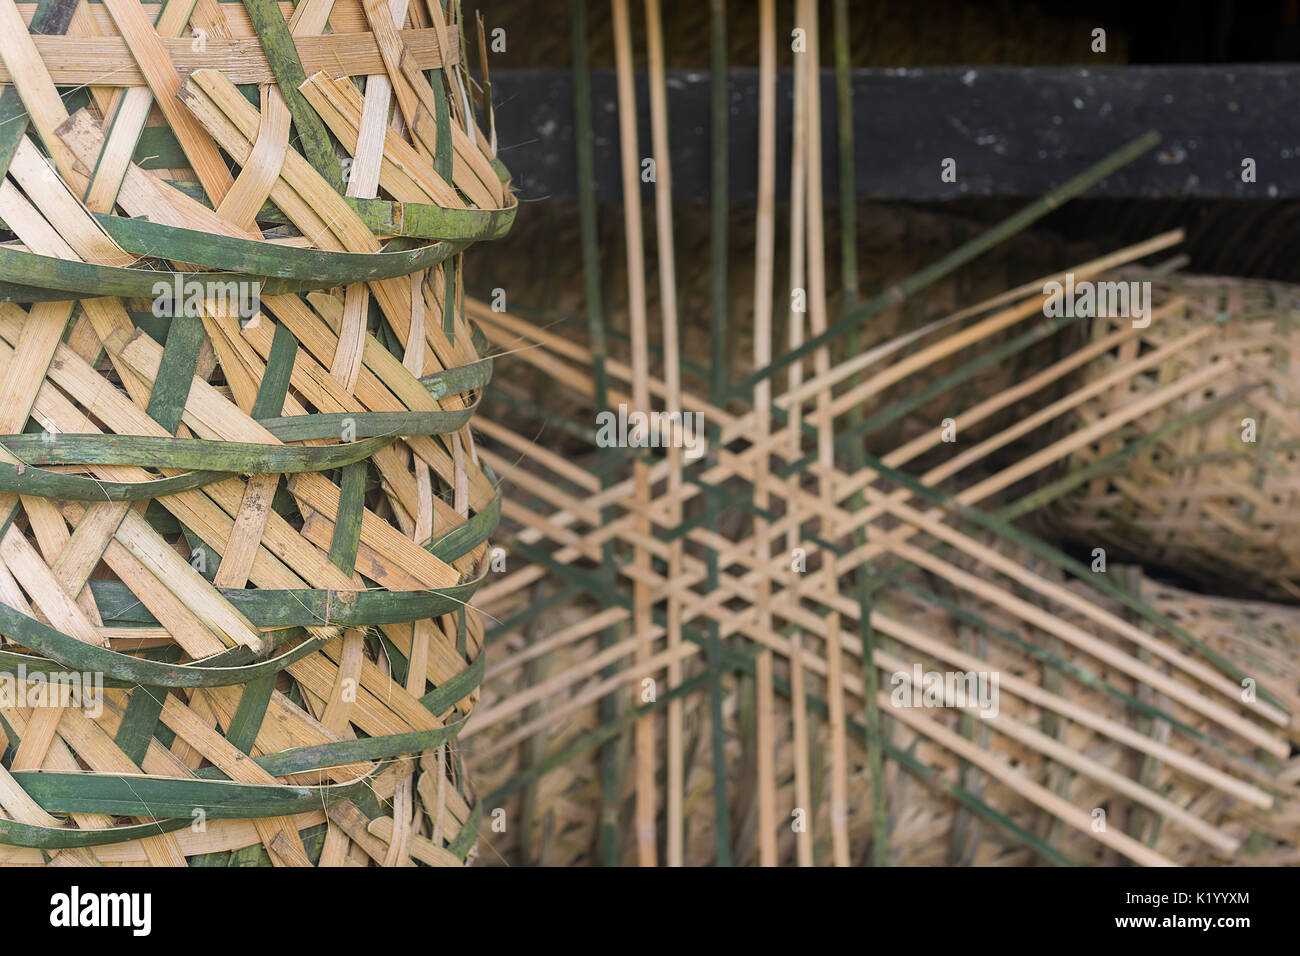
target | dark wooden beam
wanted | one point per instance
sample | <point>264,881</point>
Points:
<point>1012,131</point>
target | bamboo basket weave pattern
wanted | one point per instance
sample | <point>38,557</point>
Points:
<point>1204,498</point>
<point>241,510</point>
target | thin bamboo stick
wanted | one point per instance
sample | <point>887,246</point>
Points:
<point>794,322</point>
<point>647,851</point>
<point>675,783</point>
<point>763,267</point>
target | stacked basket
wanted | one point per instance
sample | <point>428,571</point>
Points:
<point>241,510</point>
<point>1205,485</point>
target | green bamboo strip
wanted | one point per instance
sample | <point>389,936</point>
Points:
<point>139,722</point>
<point>608,835</point>
<point>347,529</point>
<point>250,713</point>
<point>171,388</point>
<point>282,56</point>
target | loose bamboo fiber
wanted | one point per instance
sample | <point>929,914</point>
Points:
<point>1214,497</point>
<point>238,490</point>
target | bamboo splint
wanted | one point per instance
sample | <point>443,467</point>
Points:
<point>241,523</point>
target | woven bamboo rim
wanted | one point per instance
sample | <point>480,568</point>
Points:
<point>1215,497</point>
<point>259,528</point>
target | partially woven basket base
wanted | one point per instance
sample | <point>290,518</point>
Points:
<point>944,816</point>
<point>241,511</point>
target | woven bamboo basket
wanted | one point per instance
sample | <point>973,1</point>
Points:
<point>1210,492</point>
<point>241,511</point>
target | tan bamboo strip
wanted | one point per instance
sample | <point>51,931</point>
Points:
<point>673,404</point>
<point>644,730</point>
<point>794,321</point>
<point>809,62</point>
<point>1027,307</point>
<point>56,202</point>
<point>253,185</point>
<point>29,77</point>
<point>470,168</point>
<point>839,742</point>
<point>363,182</point>
<point>107,60</point>
<point>84,23</point>
<point>803,803</point>
<point>130,114</point>
<point>344,16</point>
<point>507,332</point>
<point>763,267</point>
<point>401,172</point>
